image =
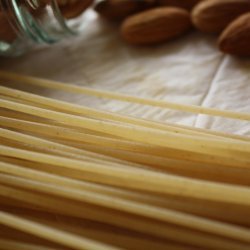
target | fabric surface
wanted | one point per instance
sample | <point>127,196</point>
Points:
<point>189,70</point>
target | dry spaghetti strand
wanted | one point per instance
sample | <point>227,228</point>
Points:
<point>50,233</point>
<point>121,97</point>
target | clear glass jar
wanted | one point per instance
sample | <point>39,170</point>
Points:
<point>26,23</point>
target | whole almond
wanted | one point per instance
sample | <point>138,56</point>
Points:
<point>7,33</point>
<point>155,26</point>
<point>213,16</point>
<point>186,4</point>
<point>235,39</point>
<point>73,8</point>
<point>117,10</point>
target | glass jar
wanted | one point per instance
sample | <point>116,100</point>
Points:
<point>26,23</point>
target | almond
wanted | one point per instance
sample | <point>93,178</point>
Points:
<point>235,39</point>
<point>7,33</point>
<point>214,15</point>
<point>155,26</point>
<point>186,4</point>
<point>73,8</point>
<point>117,10</point>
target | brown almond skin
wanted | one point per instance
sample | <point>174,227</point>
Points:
<point>212,16</point>
<point>186,4</point>
<point>7,33</point>
<point>73,10</point>
<point>235,39</point>
<point>155,26</point>
<point>117,10</point>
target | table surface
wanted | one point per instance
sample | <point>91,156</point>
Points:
<point>188,70</point>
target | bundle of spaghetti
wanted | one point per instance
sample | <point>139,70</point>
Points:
<point>75,177</point>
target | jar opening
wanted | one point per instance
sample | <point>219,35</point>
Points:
<point>33,21</point>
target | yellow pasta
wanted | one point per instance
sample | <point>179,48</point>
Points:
<point>87,91</point>
<point>83,178</point>
<point>133,207</point>
<point>53,234</point>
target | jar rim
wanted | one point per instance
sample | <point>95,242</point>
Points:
<point>33,22</point>
<point>40,30</point>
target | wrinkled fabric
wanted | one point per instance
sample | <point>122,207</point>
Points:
<point>188,70</point>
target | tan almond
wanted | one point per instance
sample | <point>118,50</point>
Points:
<point>7,34</point>
<point>117,10</point>
<point>235,39</point>
<point>186,4</point>
<point>213,16</point>
<point>155,26</point>
<point>73,9</point>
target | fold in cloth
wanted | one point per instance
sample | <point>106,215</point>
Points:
<point>188,70</point>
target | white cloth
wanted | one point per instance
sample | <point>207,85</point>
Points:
<point>188,70</point>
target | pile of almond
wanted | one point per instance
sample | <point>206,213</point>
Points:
<point>149,22</point>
